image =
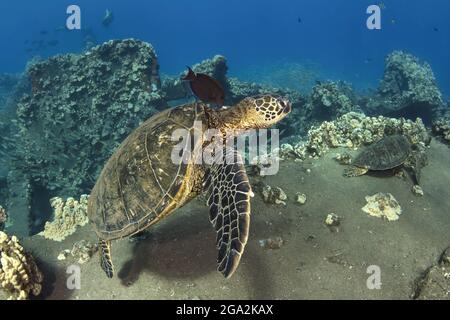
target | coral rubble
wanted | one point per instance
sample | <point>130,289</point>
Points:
<point>82,251</point>
<point>176,89</point>
<point>274,195</point>
<point>68,215</point>
<point>383,205</point>
<point>353,130</point>
<point>330,100</point>
<point>300,198</point>
<point>408,88</point>
<point>19,274</point>
<point>272,243</point>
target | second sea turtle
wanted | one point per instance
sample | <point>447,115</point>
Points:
<point>390,152</point>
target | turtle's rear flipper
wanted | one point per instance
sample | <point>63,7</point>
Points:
<point>353,171</point>
<point>228,194</point>
<point>105,257</point>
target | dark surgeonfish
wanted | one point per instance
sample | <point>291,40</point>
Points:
<point>205,87</point>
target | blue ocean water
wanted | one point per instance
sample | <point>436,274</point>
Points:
<point>329,33</point>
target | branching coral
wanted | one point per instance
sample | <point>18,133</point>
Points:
<point>19,274</point>
<point>69,215</point>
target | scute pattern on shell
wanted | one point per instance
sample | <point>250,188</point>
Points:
<point>140,181</point>
<point>385,154</point>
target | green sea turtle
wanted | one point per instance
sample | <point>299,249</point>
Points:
<point>388,153</point>
<point>142,184</point>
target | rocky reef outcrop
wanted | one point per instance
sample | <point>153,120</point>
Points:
<point>80,109</point>
<point>330,100</point>
<point>408,89</point>
<point>441,129</point>
<point>352,131</point>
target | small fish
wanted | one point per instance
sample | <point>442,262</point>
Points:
<point>393,21</point>
<point>435,29</point>
<point>205,87</point>
<point>44,32</point>
<point>299,20</point>
<point>368,60</point>
<point>108,19</point>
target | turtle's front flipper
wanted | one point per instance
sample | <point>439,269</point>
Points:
<point>229,192</point>
<point>105,257</point>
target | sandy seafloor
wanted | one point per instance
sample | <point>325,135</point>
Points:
<point>178,258</point>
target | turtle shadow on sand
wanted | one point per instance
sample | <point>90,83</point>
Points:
<point>184,248</point>
<point>54,284</point>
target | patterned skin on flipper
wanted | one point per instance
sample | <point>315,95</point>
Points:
<point>105,257</point>
<point>229,193</point>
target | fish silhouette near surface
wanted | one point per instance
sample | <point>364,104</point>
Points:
<point>205,87</point>
<point>108,18</point>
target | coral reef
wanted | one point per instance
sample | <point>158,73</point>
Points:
<point>408,89</point>
<point>7,84</point>
<point>19,274</point>
<point>235,90</point>
<point>333,222</point>
<point>3,218</point>
<point>80,109</point>
<point>68,215</point>
<point>353,130</point>
<point>330,100</point>
<point>441,129</point>
<point>383,205</point>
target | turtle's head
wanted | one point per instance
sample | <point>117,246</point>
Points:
<point>263,111</point>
